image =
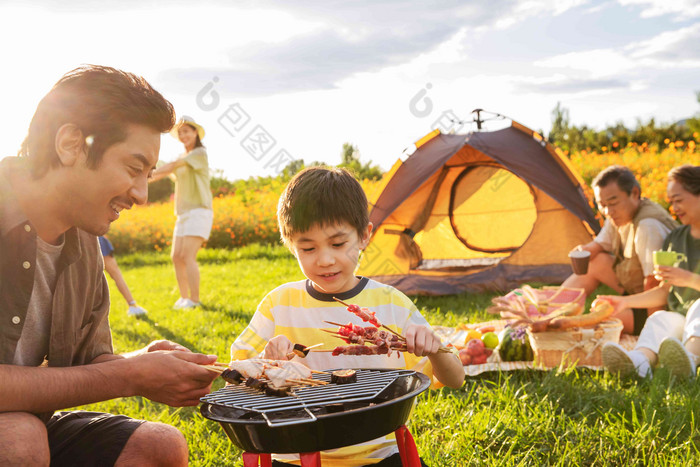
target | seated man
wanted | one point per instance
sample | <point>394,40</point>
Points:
<point>91,146</point>
<point>621,254</point>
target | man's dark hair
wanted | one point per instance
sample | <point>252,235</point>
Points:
<point>688,176</point>
<point>321,195</point>
<point>101,101</point>
<point>621,175</point>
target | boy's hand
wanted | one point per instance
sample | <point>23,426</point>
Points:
<point>421,340</point>
<point>278,347</point>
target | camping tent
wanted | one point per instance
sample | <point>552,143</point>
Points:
<point>487,210</point>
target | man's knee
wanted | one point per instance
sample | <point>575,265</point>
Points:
<point>155,444</point>
<point>23,440</point>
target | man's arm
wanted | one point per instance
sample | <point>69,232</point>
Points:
<point>171,377</point>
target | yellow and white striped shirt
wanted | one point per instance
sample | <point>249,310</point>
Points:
<point>296,310</point>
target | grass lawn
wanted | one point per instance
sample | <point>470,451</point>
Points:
<point>577,417</point>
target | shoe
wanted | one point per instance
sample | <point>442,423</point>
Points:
<point>135,310</point>
<point>619,361</point>
<point>676,359</point>
<point>188,304</point>
<point>180,303</point>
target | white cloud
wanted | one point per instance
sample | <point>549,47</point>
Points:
<point>680,9</point>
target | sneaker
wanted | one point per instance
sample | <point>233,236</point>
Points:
<point>189,304</point>
<point>180,303</point>
<point>676,359</point>
<point>618,361</point>
<point>135,310</point>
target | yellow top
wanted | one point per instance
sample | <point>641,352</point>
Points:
<point>297,311</point>
<point>192,188</point>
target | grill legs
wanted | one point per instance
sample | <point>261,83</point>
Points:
<point>407,447</point>
<point>251,460</point>
<point>404,439</point>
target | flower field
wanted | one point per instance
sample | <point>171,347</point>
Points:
<point>249,215</point>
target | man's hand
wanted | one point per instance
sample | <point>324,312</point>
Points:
<point>156,346</point>
<point>421,340</point>
<point>175,378</point>
<point>165,345</point>
<point>278,347</point>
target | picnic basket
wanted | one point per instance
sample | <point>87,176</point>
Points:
<point>574,347</point>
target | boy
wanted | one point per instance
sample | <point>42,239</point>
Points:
<point>323,220</point>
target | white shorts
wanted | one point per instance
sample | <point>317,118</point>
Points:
<point>662,324</point>
<point>194,223</point>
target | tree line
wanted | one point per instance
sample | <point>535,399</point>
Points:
<point>571,138</point>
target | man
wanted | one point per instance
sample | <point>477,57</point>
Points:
<point>621,254</point>
<point>91,146</point>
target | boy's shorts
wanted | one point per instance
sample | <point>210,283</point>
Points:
<point>88,438</point>
<point>195,223</point>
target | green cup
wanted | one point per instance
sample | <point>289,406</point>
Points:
<point>668,258</point>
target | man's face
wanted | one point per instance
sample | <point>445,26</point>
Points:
<point>615,204</point>
<point>95,196</point>
<point>328,256</point>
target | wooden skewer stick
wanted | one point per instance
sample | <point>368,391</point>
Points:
<point>394,332</point>
<point>213,368</point>
<point>313,346</point>
<point>387,328</point>
<point>340,301</point>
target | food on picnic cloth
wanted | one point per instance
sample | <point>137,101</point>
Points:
<point>527,302</point>
<point>344,376</point>
<point>474,353</point>
<point>601,310</point>
<point>515,346</point>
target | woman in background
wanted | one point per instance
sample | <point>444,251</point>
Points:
<point>193,207</point>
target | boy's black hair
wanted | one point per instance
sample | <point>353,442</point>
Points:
<point>323,196</point>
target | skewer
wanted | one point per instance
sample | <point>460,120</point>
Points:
<point>213,368</point>
<point>387,328</point>
<point>340,301</point>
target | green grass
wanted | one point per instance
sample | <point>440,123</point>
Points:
<point>524,418</point>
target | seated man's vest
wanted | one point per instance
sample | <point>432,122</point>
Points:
<point>627,268</point>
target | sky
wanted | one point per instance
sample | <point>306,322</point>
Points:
<point>275,81</point>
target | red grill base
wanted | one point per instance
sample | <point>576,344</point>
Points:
<point>404,439</point>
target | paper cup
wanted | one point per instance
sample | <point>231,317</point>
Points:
<point>579,261</point>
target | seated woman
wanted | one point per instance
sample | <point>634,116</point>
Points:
<point>670,338</point>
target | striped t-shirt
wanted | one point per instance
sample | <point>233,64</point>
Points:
<point>298,311</point>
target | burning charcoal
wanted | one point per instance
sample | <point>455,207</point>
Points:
<point>344,376</point>
<point>232,376</point>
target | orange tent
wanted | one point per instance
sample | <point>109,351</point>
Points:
<point>477,211</point>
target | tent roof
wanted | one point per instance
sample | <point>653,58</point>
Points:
<point>517,151</point>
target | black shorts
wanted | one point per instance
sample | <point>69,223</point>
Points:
<point>640,318</point>
<point>88,438</point>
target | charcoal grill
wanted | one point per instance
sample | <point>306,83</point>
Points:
<point>316,418</point>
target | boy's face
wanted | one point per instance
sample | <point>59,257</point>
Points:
<point>328,255</point>
<point>97,195</point>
